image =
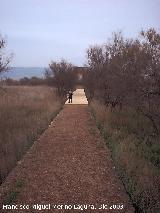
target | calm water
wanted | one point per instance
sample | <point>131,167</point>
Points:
<point>20,72</point>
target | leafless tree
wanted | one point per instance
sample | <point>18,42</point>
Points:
<point>126,72</point>
<point>4,61</point>
<point>63,75</point>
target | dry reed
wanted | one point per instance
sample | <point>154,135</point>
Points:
<point>25,112</point>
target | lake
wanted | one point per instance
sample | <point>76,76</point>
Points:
<point>21,72</point>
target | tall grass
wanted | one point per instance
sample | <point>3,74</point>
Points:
<point>25,113</point>
<point>135,152</point>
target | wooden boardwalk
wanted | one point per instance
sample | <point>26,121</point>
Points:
<point>78,97</point>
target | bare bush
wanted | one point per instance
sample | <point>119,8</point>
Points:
<point>62,75</point>
<point>4,61</point>
<point>126,72</point>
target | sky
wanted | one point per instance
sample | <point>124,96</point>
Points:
<point>38,31</point>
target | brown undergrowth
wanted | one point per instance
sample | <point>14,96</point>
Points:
<point>25,112</point>
<point>136,154</point>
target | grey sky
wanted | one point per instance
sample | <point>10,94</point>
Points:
<point>38,31</point>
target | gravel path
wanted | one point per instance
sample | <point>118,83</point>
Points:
<point>68,166</point>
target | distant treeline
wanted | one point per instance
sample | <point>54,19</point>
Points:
<point>61,75</point>
<point>33,81</point>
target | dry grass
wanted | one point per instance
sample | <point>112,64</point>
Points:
<point>25,113</point>
<point>126,134</point>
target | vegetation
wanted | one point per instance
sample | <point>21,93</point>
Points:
<point>4,61</point>
<point>123,87</point>
<point>25,112</point>
<point>33,81</point>
<point>13,194</point>
<point>122,83</point>
<point>126,72</point>
<point>135,161</point>
<point>62,75</point>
